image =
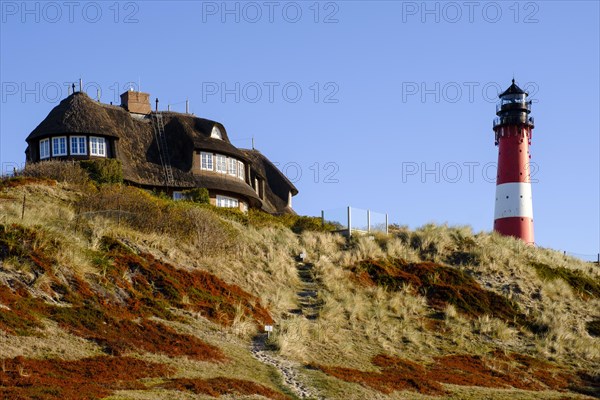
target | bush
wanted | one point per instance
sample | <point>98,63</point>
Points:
<point>142,211</point>
<point>61,171</point>
<point>104,171</point>
<point>197,195</point>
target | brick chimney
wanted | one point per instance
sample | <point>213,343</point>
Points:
<point>136,102</point>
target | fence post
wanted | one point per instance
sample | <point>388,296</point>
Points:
<point>598,260</point>
<point>323,217</point>
<point>349,221</point>
<point>23,207</point>
<point>368,221</point>
<point>386,224</point>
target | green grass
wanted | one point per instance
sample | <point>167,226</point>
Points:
<point>580,283</point>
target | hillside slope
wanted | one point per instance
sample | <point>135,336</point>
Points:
<point>113,293</point>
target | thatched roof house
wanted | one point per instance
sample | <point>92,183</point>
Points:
<point>161,150</point>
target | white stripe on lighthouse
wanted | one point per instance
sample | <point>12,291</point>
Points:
<point>513,200</point>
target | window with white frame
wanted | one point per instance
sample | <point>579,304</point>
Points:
<point>241,171</point>
<point>221,162</point>
<point>78,145</point>
<point>233,166</point>
<point>44,148</point>
<point>216,133</point>
<point>178,196</point>
<point>59,146</point>
<point>97,146</point>
<point>206,161</point>
<point>228,202</point>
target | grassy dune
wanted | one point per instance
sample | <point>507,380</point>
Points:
<point>113,292</point>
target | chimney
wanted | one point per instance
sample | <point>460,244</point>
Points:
<point>136,102</point>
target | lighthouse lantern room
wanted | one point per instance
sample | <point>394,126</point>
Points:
<point>513,215</point>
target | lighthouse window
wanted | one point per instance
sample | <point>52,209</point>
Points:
<point>206,161</point>
<point>44,148</point>
<point>78,145</point>
<point>59,146</point>
<point>97,146</point>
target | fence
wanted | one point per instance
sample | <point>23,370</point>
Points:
<point>592,258</point>
<point>351,220</point>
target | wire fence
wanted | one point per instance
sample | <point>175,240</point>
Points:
<point>352,220</point>
<point>593,258</point>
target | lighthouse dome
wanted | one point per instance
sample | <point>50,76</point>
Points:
<point>513,90</point>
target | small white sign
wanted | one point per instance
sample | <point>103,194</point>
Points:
<point>268,328</point>
<point>302,256</point>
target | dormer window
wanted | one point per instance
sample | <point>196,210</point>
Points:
<point>216,133</point>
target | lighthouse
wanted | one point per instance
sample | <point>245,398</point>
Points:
<point>513,215</point>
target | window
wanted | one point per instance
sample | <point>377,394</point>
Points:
<point>59,146</point>
<point>178,196</point>
<point>78,145</point>
<point>216,133</point>
<point>97,146</point>
<point>241,171</point>
<point>206,161</point>
<point>233,166</point>
<point>44,148</point>
<point>229,202</point>
<point>221,163</point>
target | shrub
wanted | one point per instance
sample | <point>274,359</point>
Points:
<point>61,171</point>
<point>142,211</point>
<point>104,171</point>
<point>197,195</point>
<point>582,284</point>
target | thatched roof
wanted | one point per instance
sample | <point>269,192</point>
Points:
<point>279,185</point>
<point>137,149</point>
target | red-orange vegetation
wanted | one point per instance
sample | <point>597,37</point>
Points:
<point>396,374</point>
<point>18,311</point>
<point>155,284</point>
<point>216,387</point>
<point>117,336</point>
<point>25,180</point>
<point>89,378</point>
<point>496,371</point>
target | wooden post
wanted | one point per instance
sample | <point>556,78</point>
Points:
<point>323,217</point>
<point>23,207</point>
<point>368,221</point>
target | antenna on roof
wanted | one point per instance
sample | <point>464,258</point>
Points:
<point>73,87</point>
<point>187,106</point>
<point>98,94</point>
<point>252,142</point>
<point>80,85</point>
<point>157,104</point>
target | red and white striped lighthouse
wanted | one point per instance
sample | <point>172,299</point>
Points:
<point>513,215</point>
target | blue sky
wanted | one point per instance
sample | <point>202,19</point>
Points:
<point>382,105</point>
